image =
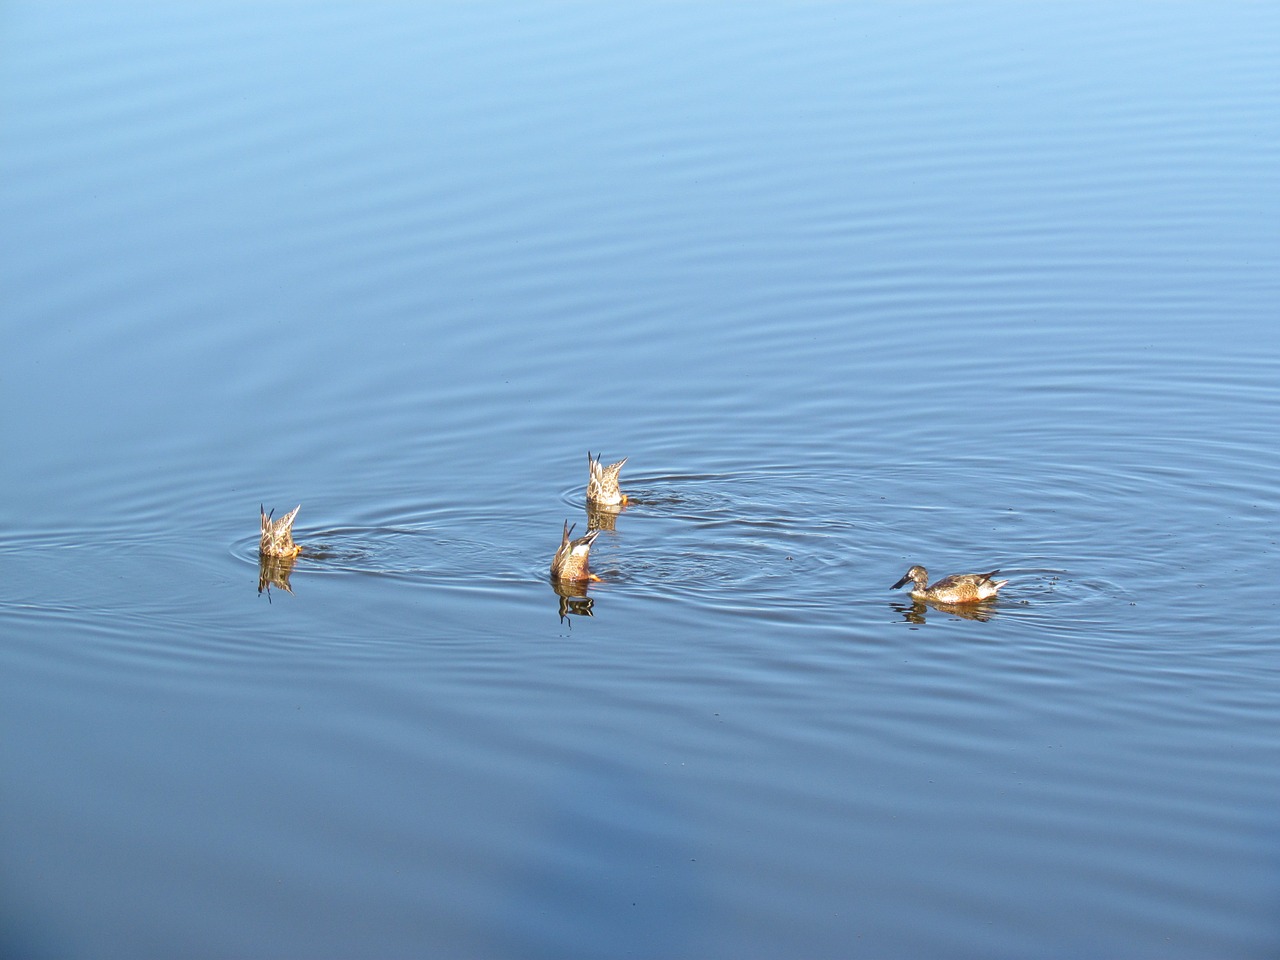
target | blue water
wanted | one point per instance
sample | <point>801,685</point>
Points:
<point>853,289</point>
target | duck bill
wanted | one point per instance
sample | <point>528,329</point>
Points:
<point>900,583</point>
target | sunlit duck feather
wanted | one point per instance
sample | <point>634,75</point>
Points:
<point>277,535</point>
<point>602,487</point>
<point>957,588</point>
<point>570,561</point>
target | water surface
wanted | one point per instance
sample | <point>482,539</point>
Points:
<point>852,289</point>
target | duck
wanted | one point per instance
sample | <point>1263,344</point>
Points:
<point>277,535</point>
<point>570,561</point>
<point>602,487</point>
<point>957,588</point>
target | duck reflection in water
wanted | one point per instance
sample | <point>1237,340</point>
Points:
<point>274,572</point>
<point>572,604</point>
<point>602,517</point>
<point>917,610</point>
<point>572,596</point>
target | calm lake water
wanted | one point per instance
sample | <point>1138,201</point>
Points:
<point>853,288</point>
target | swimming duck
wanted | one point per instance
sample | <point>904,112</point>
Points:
<point>602,488</point>
<point>957,588</point>
<point>570,561</point>
<point>277,535</point>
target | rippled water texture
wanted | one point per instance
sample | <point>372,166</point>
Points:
<point>976,288</point>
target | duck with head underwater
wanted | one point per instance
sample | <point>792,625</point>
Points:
<point>277,535</point>
<point>570,561</point>
<point>602,485</point>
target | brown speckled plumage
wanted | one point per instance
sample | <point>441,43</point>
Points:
<point>570,561</point>
<point>277,535</point>
<point>602,487</point>
<point>957,588</point>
